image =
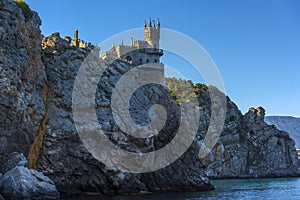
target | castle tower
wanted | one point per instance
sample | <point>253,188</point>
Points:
<point>76,42</point>
<point>152,34</point>
<point>76,35</point>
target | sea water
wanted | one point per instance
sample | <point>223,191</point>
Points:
<point>241,189</point>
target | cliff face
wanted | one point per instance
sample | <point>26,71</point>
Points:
<point>22,78</point>
<point>63,156</point>
<point>36,85</point>
<point>288,124</point>
<point>248,147</point>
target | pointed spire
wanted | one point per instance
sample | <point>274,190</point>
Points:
<point>145,24</point>
<point>158,23</point>
<point>150,23</point>
<point>153,23</point>
<point>122,42</point>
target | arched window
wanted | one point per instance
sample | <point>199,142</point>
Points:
<point>140,61</point>
<point>128,58</point>
<point>155,60</point>
<point>147,60</point>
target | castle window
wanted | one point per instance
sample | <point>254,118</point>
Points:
<point>128,58</point>
<point>140,61</point>
<point>147,60</point>
<point>155,60</point>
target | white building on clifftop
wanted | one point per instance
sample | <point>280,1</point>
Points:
<point>139,51</point>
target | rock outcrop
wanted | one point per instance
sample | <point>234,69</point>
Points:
<point>36,85</point>
<point>22,78</point>
<point>288,124</point>
<point>19,182</point>
<point>13,159</point>
<point>22,183</point>
<point>248,147</point>
<point>63,156</point>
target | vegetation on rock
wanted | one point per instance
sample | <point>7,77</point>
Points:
<point>27,12</point>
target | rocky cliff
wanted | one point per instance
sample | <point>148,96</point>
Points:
<point>248,147</point>
<point>36,85</point>
<point>288,124</point>
<point>22,79</point>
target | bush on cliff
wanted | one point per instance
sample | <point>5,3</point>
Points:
<point>27,12</point>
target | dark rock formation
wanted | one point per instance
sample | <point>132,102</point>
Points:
<point>22,77</point>
<point>36,85</point>
<point>288,124</point>
<point>13,160</point>
<point>21,182</point>
<point>63,156</point>
<point>248,147</point>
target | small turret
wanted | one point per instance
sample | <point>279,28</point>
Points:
<point>152,34</point>
<point>76,42</point>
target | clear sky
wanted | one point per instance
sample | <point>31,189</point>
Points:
<point>255,44</point>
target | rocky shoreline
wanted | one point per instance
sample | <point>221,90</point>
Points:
<point>36,83</point>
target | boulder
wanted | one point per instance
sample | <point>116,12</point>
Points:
<point>13,160</point>
<point>21,182</point>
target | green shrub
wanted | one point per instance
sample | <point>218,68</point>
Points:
<point>27,12</point>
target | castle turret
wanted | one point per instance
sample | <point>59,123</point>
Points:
<point>152,34</point>
<point>76,42</point>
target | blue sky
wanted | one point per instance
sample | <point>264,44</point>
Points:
<point>255,44</point>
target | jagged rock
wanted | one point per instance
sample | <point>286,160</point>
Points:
<point>13,159</point>
<point>288,124</point>
<point>63,151</point>
<point>22,77</point>
<point>21,182</point>
<point>247,146</point>
<point>252,148</point>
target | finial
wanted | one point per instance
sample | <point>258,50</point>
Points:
<point>150,23</point>
<point>158,23</point>
<point>122,42</point>
<point>153,23</point>
<point>145,24</point>
<point>113,45</point>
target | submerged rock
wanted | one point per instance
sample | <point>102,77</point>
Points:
<point>21,182</point>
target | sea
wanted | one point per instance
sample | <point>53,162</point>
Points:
<point>241,189</point>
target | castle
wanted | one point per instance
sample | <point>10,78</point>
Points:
<point>139,51</point>
<point>76,42</point>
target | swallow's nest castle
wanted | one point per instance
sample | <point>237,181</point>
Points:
<point>138,52</point>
